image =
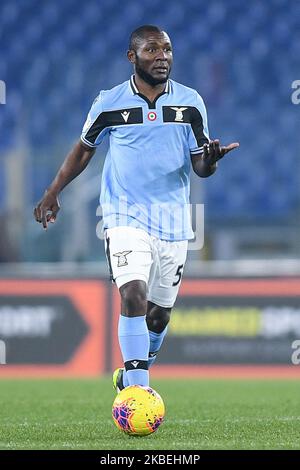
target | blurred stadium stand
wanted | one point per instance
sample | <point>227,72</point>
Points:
<point>242,57</point>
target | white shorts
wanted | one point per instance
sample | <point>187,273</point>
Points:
<point>132,254</point>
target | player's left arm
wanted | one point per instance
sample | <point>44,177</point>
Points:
<point>205,163</point>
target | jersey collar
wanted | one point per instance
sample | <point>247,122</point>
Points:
<point>135,90</point>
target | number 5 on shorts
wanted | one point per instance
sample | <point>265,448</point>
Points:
<point>179,274</point>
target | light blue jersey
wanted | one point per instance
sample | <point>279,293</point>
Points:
<point>146,174</point>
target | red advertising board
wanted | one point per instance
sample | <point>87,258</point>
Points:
<point>53,327</point>
<point>228,328</point>
<point>219,328</point>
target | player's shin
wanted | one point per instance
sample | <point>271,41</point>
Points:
<point>134,343</point>
<point>156,340</point>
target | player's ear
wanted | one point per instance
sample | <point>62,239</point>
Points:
<point>131,56</point>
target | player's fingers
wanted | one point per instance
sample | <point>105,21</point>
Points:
<point>211,151</point>
<point>205,151</point>
<point>217,149</point>
<point>232,146</point>
<point>51,213</point>
<point>229,147</point>
<point>37,214</point>
<point>44,217</point>
<point>55,210</point>
<point>51,218</point>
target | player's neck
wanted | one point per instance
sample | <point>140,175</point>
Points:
<point>148,90</point>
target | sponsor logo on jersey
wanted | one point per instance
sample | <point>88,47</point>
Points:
<point>125,115</point>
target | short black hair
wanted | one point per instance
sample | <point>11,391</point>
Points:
<point>139,34</point>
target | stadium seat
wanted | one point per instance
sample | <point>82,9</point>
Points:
<point>57,56</point>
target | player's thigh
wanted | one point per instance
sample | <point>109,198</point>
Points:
<point>165,284</point>
<point>128,253</point>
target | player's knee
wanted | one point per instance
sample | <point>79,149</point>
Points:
<point>158,318</point>
<point>134,298</point>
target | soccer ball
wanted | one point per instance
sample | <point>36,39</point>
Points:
<point>138,410</point>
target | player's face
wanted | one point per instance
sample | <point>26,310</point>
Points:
<point>154,58</point>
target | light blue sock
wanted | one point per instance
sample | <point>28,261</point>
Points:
<point>156,340</point>
<point>134,343</point>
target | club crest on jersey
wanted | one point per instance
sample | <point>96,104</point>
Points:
<point>152,116</point>
<point>125,115</point>
<point>179,114</point>
<point>122,260</point>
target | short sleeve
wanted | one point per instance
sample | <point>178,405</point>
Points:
<point>95,126</point>
<point>199,134</point>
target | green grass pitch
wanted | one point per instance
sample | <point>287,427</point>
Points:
<point>200,414</point>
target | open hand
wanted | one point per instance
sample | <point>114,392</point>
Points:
<point>213,152</point>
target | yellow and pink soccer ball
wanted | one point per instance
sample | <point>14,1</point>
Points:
<point>138,410</point>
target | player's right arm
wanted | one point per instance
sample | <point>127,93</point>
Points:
<point>75,162</point>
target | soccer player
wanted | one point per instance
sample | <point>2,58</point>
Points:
<point>157,131</point>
